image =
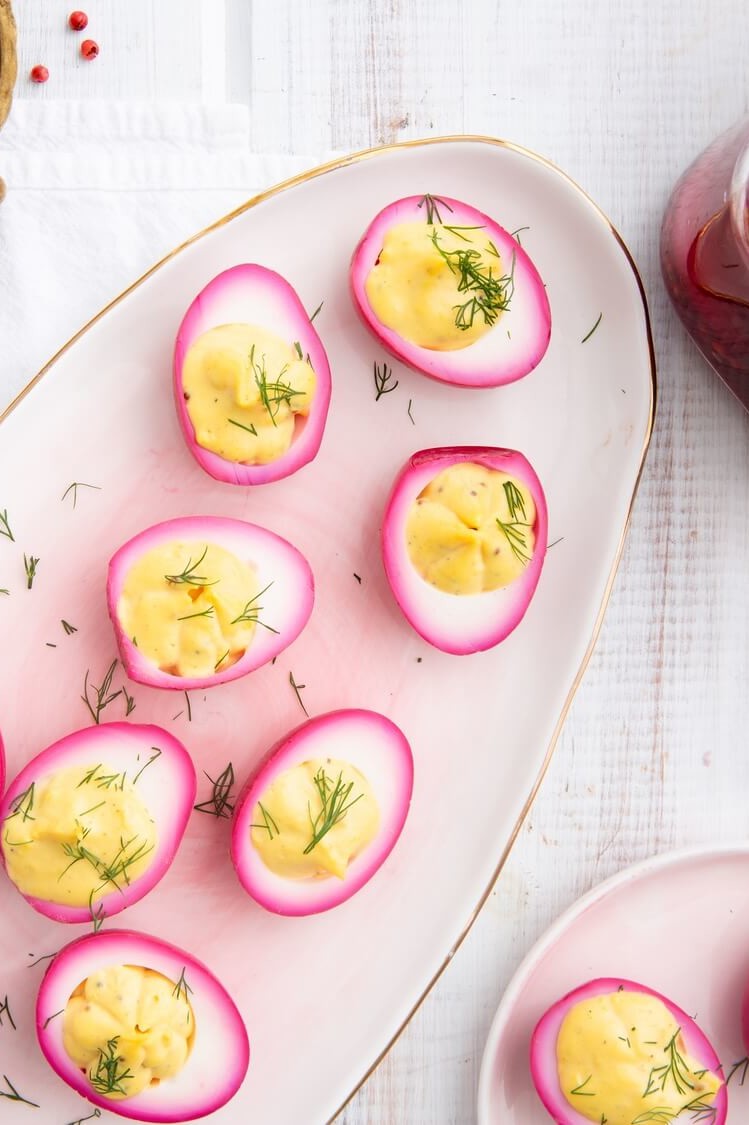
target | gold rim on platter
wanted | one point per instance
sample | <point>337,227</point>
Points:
<point>313,173</point>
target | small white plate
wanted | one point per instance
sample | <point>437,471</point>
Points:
<point>678,923</point>
<point>324,996</point>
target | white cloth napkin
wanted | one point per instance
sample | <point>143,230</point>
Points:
<point>98,192</point>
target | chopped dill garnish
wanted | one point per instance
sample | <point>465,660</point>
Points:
<point>298,349</point>
<point>6,592</point>
<point>580,1091</point>
<point>109,1075</point>
<point>30,564</point>
<point>516,534</point>
<point>13,1095</point>
<point>5,1010</point>
<point>251,611</point>
<point>44,957</point>
<point>68,627</point>
<point>23,804</point>
<point>103,695</point>
<point>207,612</point>
<point>250,429</point>
<point>221,660</point>
<point>550,545</point>
<point>600,318</point>
<point>48,644</point>
<point>98,916</point>
<point>410,415</point>
<point>739,1067</point>
<point>316,311</point>
<point>91,1116</point>
<point>334,804</point>
<point>268,824</point>
<point>104,780</point>
<point>114,871</point>
<point>357,577</point>
<point>298,688</point>
<point>490,295</point>
<point>219,804</point>
<point>514,497</point>
<point>382,377</point>
<point>5,526</point>
<point>189,708</point>
<point>432,204</point>
<point>188,577</point>
<point>52,1017</point>
<point>275,392</point>
<point>74,489</point>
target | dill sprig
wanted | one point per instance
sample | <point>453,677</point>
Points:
<point>104,780</point>
<point>5,1010</point>
<point>157,754</point>
<point>382,380</point>
<point>68,628</point>
<point>741,1068</point>
<point>5,526</point>
<point>252,611</point>
<point>516,534</point>
<point>112,872</point>
<point>490,295</point>
<point>275,392</point>
<point>129,702</point>
<point>13,1095</point>
<point>432,204</point>
<point>580,1090</point>
<point>30,564</point>
<point>91,1116</point>
<point>268,824</point>
<point>208,612</point>
<point>219,804</point>
<point>97,916</point>
<point>250,429</point>
<point>514,498</point>
<point>674,1070</point>
<point>588,336</point>
<point>109,1075</point>
<point>298,688</point>
<point>103,695</point>
<point>182,988</point>
<point>74,489</point>
<point>23,804</point>
<point>334,802</point>
<point>188,577</point>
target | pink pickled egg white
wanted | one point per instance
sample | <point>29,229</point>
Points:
<point>218,1061</point>
<point>379,750</point>
<point>287,603</point>
<point>458,624</point>
<point>543,1053</point>
<point>166,786</point>
<point>517,341</point>
<point>252,294</point>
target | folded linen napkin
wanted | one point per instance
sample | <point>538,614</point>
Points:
<point>98,192</point>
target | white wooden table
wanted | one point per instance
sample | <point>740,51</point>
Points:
<point>621,96</point>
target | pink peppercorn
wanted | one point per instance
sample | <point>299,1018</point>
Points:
<point>39,74</point>
<point>89,49</point>
<point>77,21</point>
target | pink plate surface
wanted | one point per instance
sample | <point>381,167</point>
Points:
<point>480,726</point>
<point>677,923</point>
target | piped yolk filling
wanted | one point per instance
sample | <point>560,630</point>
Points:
<point>314,819</point>
<point>77,835</point>
<point>621,1056</point>
<point>191,608</point>
<point>471,530</point>
<point>245,390</point>
<point>128,1028</point>
<point>439,286</point>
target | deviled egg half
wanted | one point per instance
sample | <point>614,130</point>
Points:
<point>323,812</point>
<point>463,542</point>
<point>450,292</point>
<point>141,1028</point>
<point>201,600</point>
<point>92,823</point>
<point>251,378</point>
<point>616,1051</point>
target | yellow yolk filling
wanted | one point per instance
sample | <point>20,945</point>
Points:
<point>244,387</point>
<point>438,288</point>
<point>79,834</point>
<point>471,530</point>
<point>128,1028</point>
<point>314,819</point>
<point>190,608</point>
<point>621,1056</point>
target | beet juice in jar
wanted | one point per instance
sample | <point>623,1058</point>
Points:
<point>705,255</point>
